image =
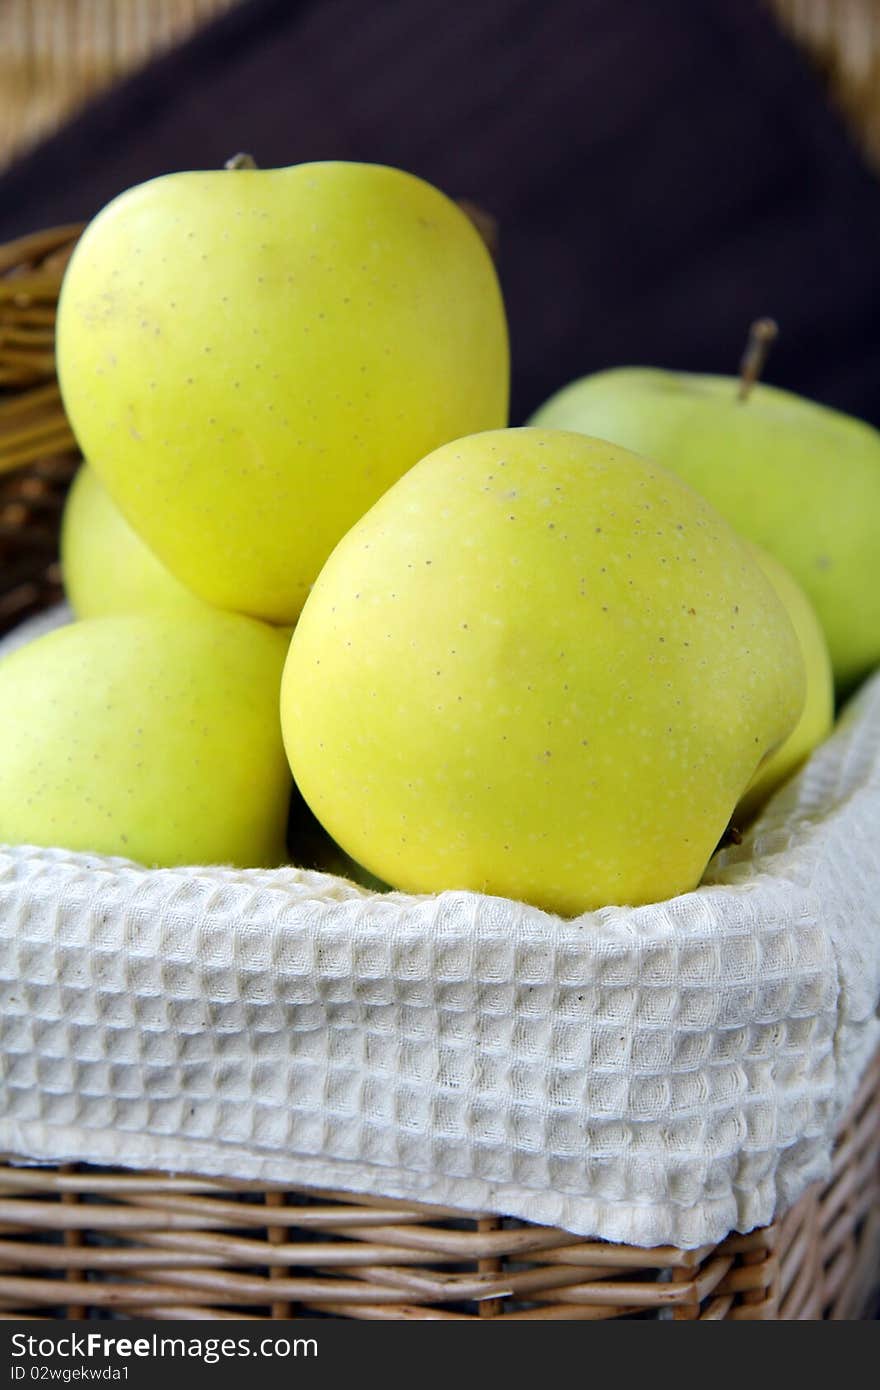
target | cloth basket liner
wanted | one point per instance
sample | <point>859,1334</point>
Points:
<point>652,1075</point>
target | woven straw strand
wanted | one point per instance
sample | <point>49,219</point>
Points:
<point>57,54</point>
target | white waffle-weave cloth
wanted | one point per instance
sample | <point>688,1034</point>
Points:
<point>652,1075</point>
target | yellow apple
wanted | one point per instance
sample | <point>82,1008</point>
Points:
<point>540,667</point>
<point>818,713</point>
<point>153,736</point>
<point>250,357</point>
<point>797,478</point>
<point>310,847</point>
<point>107,568</point>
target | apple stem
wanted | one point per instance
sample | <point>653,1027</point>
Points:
<point>241,161</point>
<point>761,336</point>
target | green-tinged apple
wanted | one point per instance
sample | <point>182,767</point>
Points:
<point>106,566</point>
<point>153,736</point>
<point>250,357</point>
<point>818,713</point>
<point>540,667</point>
<point>797,478</point>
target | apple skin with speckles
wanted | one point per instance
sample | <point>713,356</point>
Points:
<point>153,736</point>
<point>106,566</point>
<point>540,667</point>
<point>250,357</point>
<point>795,477</point>
<point>817,716</point>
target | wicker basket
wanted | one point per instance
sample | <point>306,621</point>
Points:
<point>56,55</point>
<point>76,1241</point>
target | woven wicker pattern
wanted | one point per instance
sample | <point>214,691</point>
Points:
<point>76,1242</point>
<point>842,37</point>
<point>33,428</point>
<point>828,1245</point>
<point>57,54</point>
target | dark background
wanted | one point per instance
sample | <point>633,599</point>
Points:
<point>661,172</point>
